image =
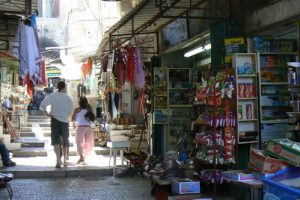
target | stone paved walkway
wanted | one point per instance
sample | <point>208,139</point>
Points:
<point>87,188</point>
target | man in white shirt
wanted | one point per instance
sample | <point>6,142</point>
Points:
<point>61,108</point>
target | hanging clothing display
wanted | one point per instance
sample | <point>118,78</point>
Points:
<point>84,71</point>
<point>120,68</point>
<point>39,68</point>
<point>104,63</point>
<point>44,78</point>
<point>89,66</point>
<point>130,63</point>
<point>20,50</point>
<point>86,68</point>
<point>29,84</point>
<point>25,48</point>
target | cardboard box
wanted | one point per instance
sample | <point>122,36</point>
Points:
<point>185,186</point>
<point>264,164</point>
<point>285,149</point>
<point>237,175</point>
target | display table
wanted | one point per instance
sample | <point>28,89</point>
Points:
<point>117,146</point>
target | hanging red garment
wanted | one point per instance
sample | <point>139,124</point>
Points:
<point>89,66</point>
<point>120,68</point>
<point>84,70</point>
<point>44,78</point>
<point>29,85</point>
<point>130,62</point>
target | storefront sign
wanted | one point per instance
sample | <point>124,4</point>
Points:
<point>233,45</point>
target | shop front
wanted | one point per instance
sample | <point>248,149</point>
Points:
<point>213,112</point>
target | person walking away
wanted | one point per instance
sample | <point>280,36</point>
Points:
<point>6,161</point>
<point>84,132</point>
<point>61,108</point>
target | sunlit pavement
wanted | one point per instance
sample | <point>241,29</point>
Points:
<point>44,167</point>
<point>87,188</point>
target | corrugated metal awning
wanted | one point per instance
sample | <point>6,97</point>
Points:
<point>150,16</point>
<point>22,7</point>
<point>10,13</point>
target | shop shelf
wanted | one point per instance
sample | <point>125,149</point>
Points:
<point>276,121</point>
<point>247,120</point>
<point>274,83</point>
<point>245,99</point>
<point>249,142</point>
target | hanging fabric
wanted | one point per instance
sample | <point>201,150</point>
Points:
<point>26,49</point>
<point>139,76</point>
<point>130,64</point>
<point>39,70</point>
<point>19,50</point>
<point>84,71</point>
<point>104,63</point>
<point>34,59</point>
<point>44,78</point>
<point>89,66</point>
<point>118,68</point>
<point>30,86</point>
<point>120,65</point>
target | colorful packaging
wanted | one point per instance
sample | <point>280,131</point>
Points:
<point>285,149</point>
<point>185,186</point>
<point>264,164</point>
<point>237,175</point>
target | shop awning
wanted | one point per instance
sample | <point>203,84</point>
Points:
<point>10,13</point>
<point>18,7</point>
<point>150,16</point>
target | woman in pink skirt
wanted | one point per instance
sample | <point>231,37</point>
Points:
<point>84,132</point>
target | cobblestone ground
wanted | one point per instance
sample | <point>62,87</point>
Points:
<point>87,188</point>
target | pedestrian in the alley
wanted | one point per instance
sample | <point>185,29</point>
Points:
<point>60,111</point>
<point>6,161</point>
<point>84,132</point>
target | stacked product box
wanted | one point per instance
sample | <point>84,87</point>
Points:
<point>265,164</point>
<point>286,150</point>
<point>185,186</point>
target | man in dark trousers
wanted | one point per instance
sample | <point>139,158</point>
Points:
<point>60,110</point>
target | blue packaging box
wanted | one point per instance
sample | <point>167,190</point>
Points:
<point>185,186</point>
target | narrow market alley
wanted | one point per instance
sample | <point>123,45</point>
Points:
<point>150,100</point>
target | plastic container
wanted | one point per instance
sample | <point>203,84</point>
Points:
<point>276,187</point>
